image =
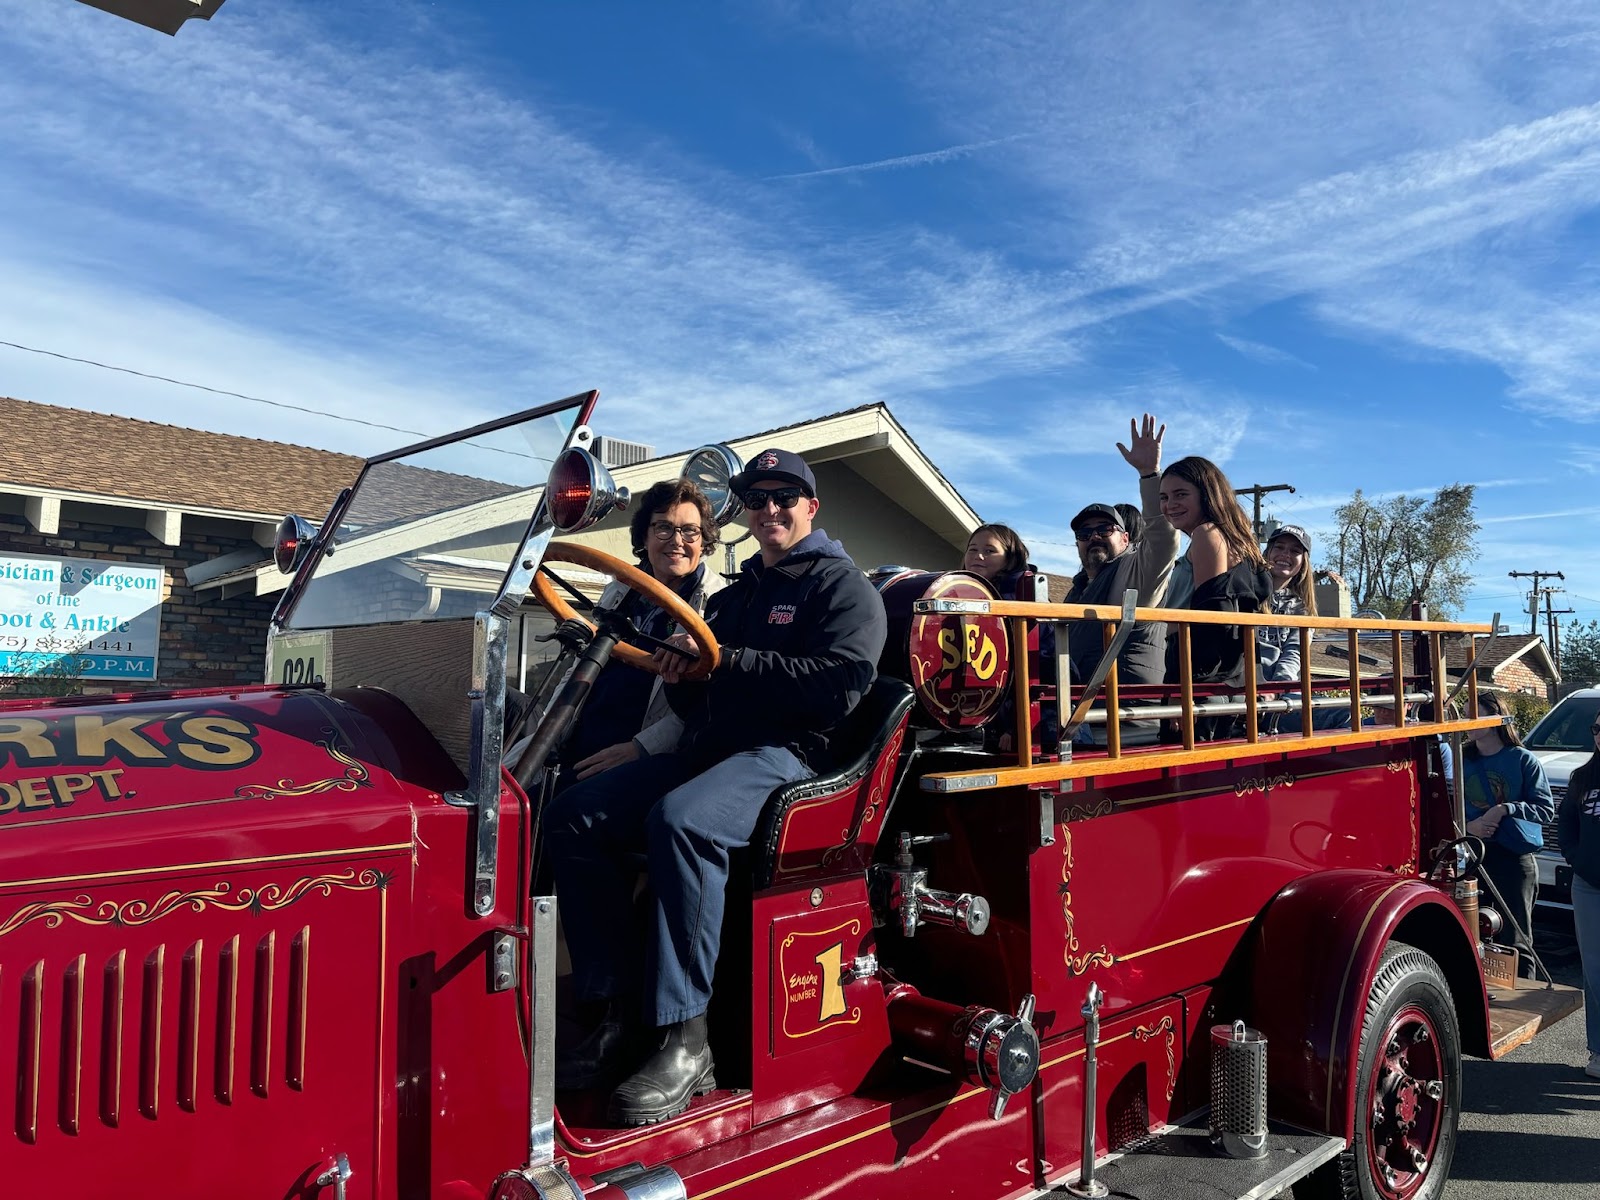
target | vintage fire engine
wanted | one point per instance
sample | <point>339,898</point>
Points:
<point>289,941</point>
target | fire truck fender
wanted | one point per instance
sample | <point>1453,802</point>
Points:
<point>1315,953</point>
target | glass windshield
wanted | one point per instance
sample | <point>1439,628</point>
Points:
<point>430,532</point>
<point>1566,726</point>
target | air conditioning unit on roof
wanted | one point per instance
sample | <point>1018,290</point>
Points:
<point>614,452</point>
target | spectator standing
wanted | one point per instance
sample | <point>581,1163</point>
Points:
<point>1508,800</point>
<point>1578,832</point>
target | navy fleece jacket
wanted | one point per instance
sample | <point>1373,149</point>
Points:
<point>800,647</point>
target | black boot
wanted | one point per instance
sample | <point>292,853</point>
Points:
<point>679,1070</point>
<point>607,1052</point>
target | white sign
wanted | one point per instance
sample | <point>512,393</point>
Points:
<point>79,618</point>
<point>300,658</point>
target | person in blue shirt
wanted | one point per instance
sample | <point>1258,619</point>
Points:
<point>1508,800</point>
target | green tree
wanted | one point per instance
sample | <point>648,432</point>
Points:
<point>1580,653</point>
<point>1526,709</point>
<point>38,674</point>
<point>1405,548</point>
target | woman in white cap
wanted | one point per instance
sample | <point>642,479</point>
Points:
<point>1289,559</point>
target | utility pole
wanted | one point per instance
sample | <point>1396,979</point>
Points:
<point>1256,491</point>
<point>1551,624</point>
<point>1533,597</point>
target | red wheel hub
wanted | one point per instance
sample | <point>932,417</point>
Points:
<point>1405,1104</point>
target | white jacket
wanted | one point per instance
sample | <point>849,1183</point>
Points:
<point>662,727</point>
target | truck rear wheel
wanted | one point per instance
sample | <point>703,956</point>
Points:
<point>1408,1089</point>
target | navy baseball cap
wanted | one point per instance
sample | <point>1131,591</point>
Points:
<point>1295,532</point>
<point>1099,510</point>
<point>781,465</point>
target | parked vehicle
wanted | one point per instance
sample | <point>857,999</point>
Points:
<point>1561,741</point>
<point>279,940</point>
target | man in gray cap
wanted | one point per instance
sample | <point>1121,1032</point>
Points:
<point>1116,559</point>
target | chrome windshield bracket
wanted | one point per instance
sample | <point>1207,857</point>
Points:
<point>1091,688</point>
<point>491,633</point>
<point>541,969</point>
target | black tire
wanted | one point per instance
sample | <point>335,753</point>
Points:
<point>1409,1043</point>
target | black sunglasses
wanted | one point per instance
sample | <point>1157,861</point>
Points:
<point>757,499</point>
<point>1094,531</point>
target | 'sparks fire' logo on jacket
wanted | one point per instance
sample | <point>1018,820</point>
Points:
<point>781,614</point>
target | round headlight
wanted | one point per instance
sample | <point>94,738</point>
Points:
<point>580,491</point>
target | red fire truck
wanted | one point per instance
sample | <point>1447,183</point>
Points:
<point>289,940</point>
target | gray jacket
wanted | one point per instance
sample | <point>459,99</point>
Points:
<point>1278,649</point>
<point>662,727</point>
<point>1145,567</point>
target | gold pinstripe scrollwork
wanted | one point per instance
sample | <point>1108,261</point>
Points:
<point>1076,963</point>
<point>1163,1027</point>
<point>269,897</point>
<point>352,777</point>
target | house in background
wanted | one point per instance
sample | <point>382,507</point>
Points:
<point>153,510</point>
<point>185,519</point>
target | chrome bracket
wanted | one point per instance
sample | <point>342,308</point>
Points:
<point>503,962</point>
<point>336,1174</point>
<point>1091,688</point>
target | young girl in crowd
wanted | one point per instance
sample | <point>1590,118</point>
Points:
<point>1222,570</point>
<point>1289,559</point>
<point>1508,801</point>
<point>1578,829</point>
<point>996,553</point>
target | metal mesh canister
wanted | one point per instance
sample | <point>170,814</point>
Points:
<point>1238,1090</point>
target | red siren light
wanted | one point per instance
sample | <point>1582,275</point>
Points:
<point>580,491</point>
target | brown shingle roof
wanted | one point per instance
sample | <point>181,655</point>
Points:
<point>68,449</point>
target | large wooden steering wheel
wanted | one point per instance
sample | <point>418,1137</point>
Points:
<point>646,585</point>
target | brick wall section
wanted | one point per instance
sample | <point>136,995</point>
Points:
<point>1519,676</point>
<point>205,640</point>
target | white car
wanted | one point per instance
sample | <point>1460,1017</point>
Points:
<point>1562,741</point>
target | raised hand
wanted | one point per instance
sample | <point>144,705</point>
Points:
<point>1144,456</point>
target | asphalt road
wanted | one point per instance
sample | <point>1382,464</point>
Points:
<point>1530,1125</point>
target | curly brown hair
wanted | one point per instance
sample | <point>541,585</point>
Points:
<point>669,493</point>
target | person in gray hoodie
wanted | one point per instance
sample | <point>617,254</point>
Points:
<point>800,632</point>
<point>1115,561</point>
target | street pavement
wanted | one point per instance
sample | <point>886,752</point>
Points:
<point>1530,1123</point>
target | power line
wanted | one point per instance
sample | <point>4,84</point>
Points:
<point>200,387</point>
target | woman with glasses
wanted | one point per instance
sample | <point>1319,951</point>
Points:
<point>627,715</point>
<point>1578,831</point>
<point>1508,802</point>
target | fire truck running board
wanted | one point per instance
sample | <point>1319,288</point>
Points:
<point>1178,1161</point>
<point>1515,1015</point>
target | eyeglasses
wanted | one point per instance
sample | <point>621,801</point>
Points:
<point>1089,533</point>
<point>664,531</point>
<point>1595,728</point>
<point>757,499</point>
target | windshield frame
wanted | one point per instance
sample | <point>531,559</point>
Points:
<point>583,402</point>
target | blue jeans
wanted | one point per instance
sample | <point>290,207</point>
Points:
<point>1586,920</point>
<point>683,823</point>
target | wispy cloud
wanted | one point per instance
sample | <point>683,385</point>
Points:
<point>899,162</point>
<point>1262,353</point>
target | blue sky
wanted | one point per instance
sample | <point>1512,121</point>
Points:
<point>1338,246</point>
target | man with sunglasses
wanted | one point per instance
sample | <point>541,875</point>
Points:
<point>1113,562</point>
<point>800,631</point>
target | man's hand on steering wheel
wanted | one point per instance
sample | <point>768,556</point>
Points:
<point>674,660</point>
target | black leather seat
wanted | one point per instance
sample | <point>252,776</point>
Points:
<point>857,743</point>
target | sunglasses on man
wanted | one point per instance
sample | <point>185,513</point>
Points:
<point>757,499</point>
<point>1090,532</point>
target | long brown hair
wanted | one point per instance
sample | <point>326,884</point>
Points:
<point>1300,583</point>
<point>1218,506</point>
<point>1490,705</point>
